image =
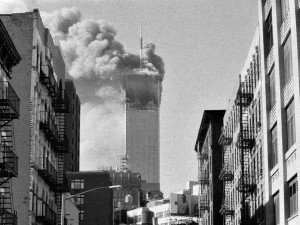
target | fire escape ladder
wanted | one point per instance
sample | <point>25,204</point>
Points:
<point>8,215</point>
<point>61,102</point>
<point>245,143</point>
<point>61,145</point>
<point>62,181</point>
<point>59,204</point>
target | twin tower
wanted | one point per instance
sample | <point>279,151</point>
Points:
<point>143,94</point>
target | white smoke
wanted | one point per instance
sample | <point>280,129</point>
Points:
<point>59,21</point>
<point>102,134</point>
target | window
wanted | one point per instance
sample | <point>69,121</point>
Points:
<point>276,209</point>
<point>269,34</point>
<point>81,214</point>
<point>288,64</point>
<point>274,147</point>
<point>293,187</point>
<point>80,200</point>
<point>77,184</point>
<point>272,89</point>
<point>284,8</point>
<point>290,124</point>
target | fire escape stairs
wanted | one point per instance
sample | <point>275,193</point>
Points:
<point>246,184</point>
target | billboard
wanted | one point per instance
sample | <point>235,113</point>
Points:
<point>184,204</point>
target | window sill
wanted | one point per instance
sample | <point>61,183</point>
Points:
<point>274,170</point>
<point>290,151</point>
<point>292,217</point>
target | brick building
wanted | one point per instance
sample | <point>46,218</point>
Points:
<point>40,133</point>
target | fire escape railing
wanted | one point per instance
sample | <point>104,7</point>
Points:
<point>9,102</point>
<point>8,162</point>
<point>47,78</point>
<point>47,123</point>
<point>245,143</point>
<point>48,172</point>
<point>204,202</point>
<point>45,214</point>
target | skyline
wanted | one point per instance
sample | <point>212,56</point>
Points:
<point>220,48</point>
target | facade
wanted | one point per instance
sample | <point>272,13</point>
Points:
<point>72,128</point>
<point>40,132</point>
<point>142,128</point>
<point>9,111</point>
<point>131,185</point>
<point>95,207</point>
<point>242,143</point>
<point>209,153</point>
<point>260,137</point>
<point>279,27</point>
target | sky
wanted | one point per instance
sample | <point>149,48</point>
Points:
<point>203,43</point>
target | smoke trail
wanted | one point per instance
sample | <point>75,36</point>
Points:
<point>100,67</point>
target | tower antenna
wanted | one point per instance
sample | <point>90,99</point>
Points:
<point>141,47</point>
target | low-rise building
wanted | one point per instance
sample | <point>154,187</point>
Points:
<point>209,153</point>
<point>96,205</point>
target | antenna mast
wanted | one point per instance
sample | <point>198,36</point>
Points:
<point>141,47</point>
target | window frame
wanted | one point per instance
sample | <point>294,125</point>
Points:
<point>293,197</point>
<point>81,215</point>
<point>77,184</point>
<point>290,124</point>
<point>276,209</point>
<point>274,146</point>
<point>272,89</point>
<point>287,59</point>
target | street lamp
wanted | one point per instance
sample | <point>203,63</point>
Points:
<point>64,198</point>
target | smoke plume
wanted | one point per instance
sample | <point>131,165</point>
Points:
<point>105,76</point>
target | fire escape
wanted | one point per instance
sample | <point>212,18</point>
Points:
<point>57,136</point>
<point>9,110</point>
<point>203,178</point>
<point>246,184</point>
<point>227,208</point>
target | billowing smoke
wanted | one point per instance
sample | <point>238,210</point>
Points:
<point>105,77</point>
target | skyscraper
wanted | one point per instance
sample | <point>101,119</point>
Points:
<point>143,93</point>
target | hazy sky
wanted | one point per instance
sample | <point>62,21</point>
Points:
<point>203,43</point>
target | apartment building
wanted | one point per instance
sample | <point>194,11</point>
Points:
<point>242,141</point>
<point>209,153</point>
<point>40,133</point>
<point>72,128</point>
<point>9,111</point>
